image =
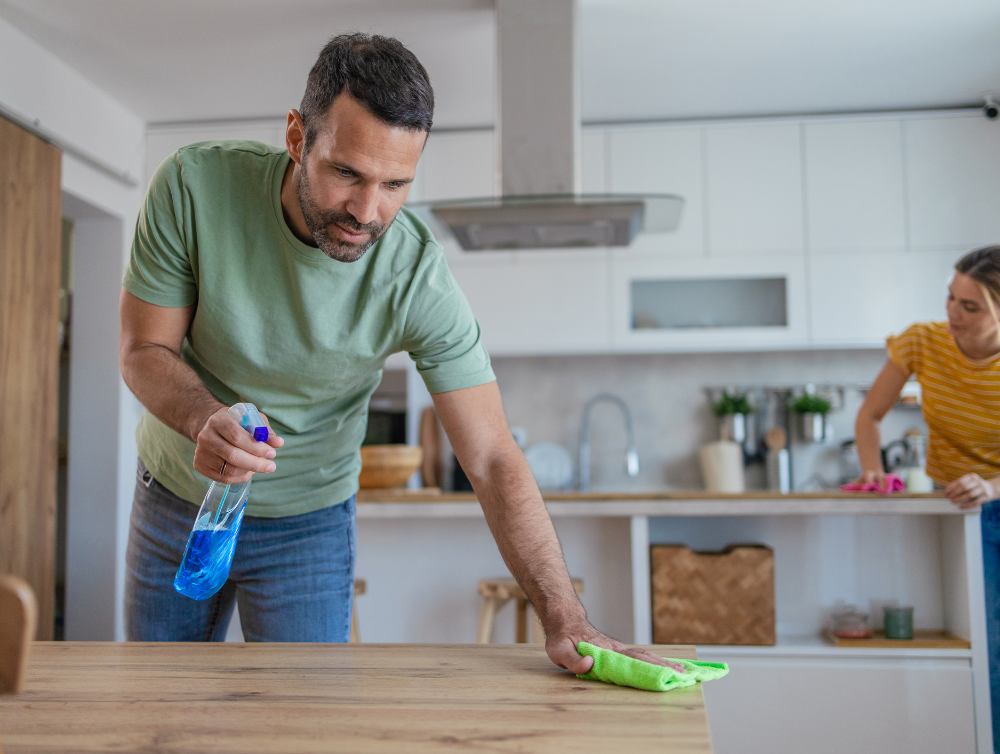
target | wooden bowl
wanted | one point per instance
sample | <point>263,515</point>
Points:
<point>387,466</point>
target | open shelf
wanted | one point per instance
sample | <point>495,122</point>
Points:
<point>816,646</point>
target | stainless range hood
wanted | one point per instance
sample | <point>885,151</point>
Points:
<point>539,149</point>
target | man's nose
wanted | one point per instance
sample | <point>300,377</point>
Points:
<point>364,204</point>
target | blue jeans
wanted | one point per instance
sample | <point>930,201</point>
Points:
<point>292,577</point>
<point>990,523</point>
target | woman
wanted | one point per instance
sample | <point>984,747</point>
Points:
<point>957,364</point>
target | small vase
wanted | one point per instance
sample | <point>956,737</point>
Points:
<point>813,427</point>
<point>733,427</point>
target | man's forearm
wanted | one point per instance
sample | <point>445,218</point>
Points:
<point>527,540</point>
<point>171,390</point>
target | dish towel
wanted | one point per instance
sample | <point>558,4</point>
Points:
<point>892,482</point>
<point>612,667</point>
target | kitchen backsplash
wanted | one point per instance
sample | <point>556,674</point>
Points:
<point>665,392</point>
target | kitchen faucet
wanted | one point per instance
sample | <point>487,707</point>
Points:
<point>631,456</point>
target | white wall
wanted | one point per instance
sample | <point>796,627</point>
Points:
<point>102,169</point>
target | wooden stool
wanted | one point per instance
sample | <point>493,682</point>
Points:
<point>498,592</point>
<point>360,587</point>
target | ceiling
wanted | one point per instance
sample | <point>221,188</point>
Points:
<point>193,60</point>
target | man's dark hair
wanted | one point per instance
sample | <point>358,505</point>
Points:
<point>379,72</point>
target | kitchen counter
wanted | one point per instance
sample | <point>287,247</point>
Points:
<point>93,696</point>
<point>422,553</point>
<point>405,503</point>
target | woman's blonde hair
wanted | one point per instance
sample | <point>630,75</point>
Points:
<point>983,266</point>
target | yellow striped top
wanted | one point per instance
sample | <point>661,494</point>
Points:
<point>961,401</point>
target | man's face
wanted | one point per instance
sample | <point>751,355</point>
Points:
<point>354,178</point>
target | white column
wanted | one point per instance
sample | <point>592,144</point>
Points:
<point>642,615</point>
<point>977,631</point>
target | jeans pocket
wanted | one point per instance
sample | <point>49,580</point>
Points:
<point>144,476</point>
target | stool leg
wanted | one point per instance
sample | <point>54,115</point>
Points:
<point>537,632</point>
<point>487,613</point>
<point>522,622</point>
<point>355,631</point>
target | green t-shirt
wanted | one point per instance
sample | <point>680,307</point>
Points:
<point>279,324</point>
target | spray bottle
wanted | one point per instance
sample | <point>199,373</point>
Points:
<point>209,552</point>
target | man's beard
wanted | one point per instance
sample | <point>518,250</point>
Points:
<point>318,221</point>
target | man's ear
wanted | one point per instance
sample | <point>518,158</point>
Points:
<point>295,136</point>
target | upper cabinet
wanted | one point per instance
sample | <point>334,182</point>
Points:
<point>854,186</point>
<point>952,164</point>
<point>457,165</point>
<point>662,160</point>
<point>754,188</point>
<point>795,233</point>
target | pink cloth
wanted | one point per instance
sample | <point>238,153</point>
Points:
<point>893,482</point>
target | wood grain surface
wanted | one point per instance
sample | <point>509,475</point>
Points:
<point>30,236</point>
<point>245,698</point>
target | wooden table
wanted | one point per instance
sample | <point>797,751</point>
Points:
<point>242,698</point>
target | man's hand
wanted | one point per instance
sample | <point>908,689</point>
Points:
<point>223,439</point>
<point>561,649</point>
<point>969,491</point>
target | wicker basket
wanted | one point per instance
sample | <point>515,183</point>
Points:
<point>713,597</point>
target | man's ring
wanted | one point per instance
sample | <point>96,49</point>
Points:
<point>223,472</point>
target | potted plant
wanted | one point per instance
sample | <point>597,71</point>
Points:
<point>812,410</point>
<point>732,411</point>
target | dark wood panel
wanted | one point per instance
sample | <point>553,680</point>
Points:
<point>30,210</point>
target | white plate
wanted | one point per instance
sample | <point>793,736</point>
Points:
<point>551,464</point>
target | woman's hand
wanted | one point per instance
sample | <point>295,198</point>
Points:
<point>872,477</point>
<point>969,491</point>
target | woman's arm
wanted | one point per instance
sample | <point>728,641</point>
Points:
<point>881,397</point>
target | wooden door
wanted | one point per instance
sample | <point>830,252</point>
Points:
<point>30,209</point>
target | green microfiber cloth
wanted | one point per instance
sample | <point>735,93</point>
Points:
<point>612,667</point>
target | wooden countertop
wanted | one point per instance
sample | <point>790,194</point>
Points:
<point>405,503</point>
<point>434,495</point>
<point>245,698</point>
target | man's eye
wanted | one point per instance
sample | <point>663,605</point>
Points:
<point>345,172</point>
<point>394,186</point>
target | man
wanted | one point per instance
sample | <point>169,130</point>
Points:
<point>286,279</point>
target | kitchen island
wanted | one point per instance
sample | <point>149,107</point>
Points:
<point>290,698</point>
<point>829,546</point>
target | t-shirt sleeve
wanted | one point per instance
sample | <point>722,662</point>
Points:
<point>441,334</point>
<point>159,269</point>
<point>906,349</point>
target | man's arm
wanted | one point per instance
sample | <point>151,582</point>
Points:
<point>150,358</point>
<point>478,431</point>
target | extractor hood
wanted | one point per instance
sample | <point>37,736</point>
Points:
<point>540,204</point>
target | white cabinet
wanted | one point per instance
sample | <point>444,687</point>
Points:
<point>594,156</point>
<point>862,217</point>
<point>854,185</point>
<point>832,705</point>
<point>457,165</point>
<point>662,160</point>
<point>626,336</point>
<point>857,299</point>
<point>953,189</point>
<point>542,302</point>
<point>754,196</point>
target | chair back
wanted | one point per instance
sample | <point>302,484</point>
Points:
<point>18,618</point>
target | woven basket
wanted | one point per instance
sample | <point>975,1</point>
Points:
<point>713,597</point>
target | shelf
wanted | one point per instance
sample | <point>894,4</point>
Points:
<point>816,646</point>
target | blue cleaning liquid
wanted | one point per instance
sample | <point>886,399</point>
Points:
<point>208,555</point>
<point>207,559</point>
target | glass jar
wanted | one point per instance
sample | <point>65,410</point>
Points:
<point>848,623</point>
